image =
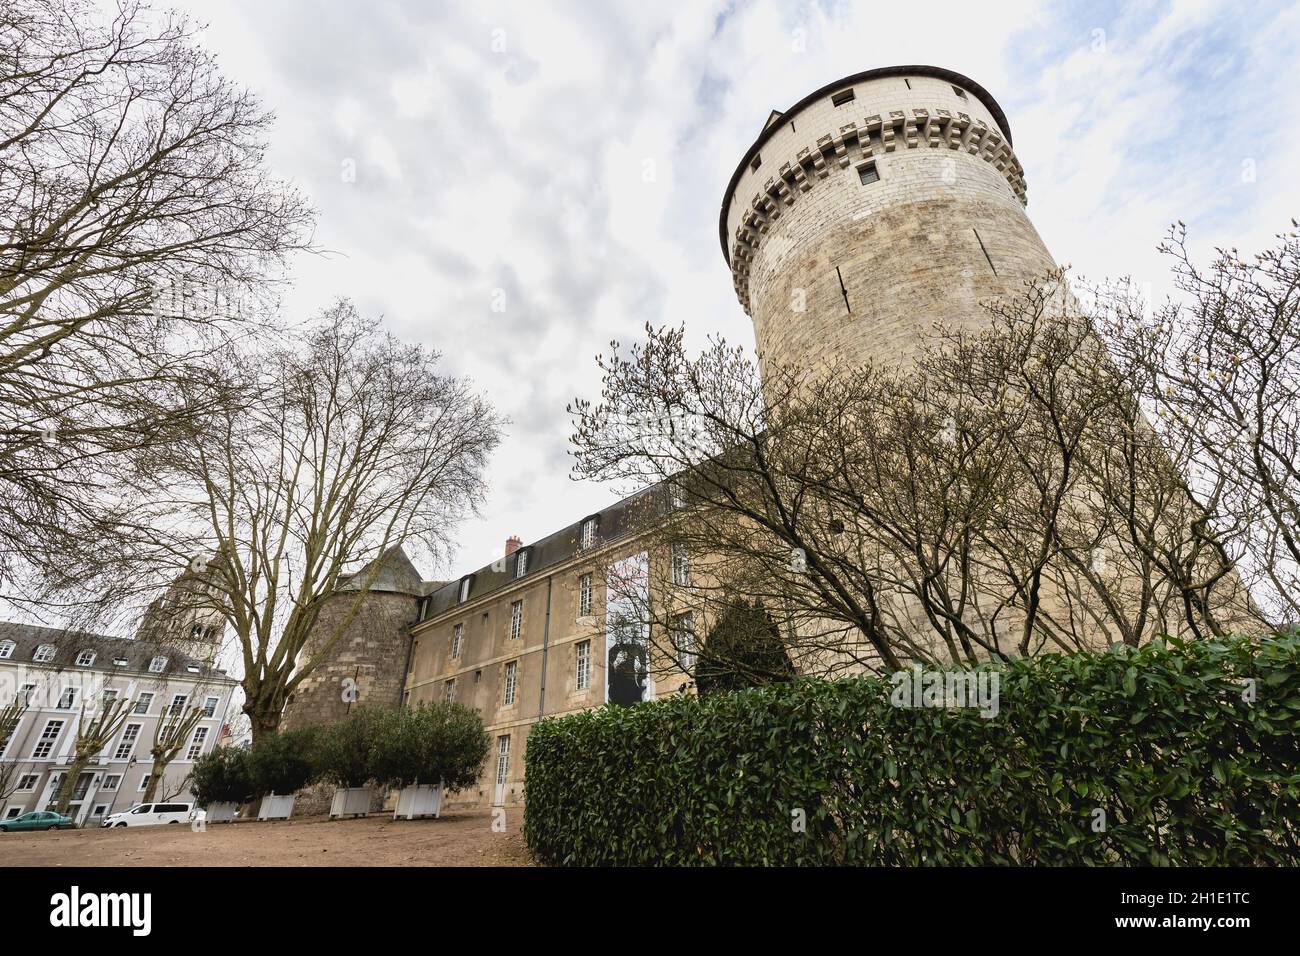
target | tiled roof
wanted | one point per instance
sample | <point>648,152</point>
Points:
<point>68,645</point>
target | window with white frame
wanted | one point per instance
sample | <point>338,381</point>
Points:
<point>143,703</point>
<point>463,594</point>
<point>196,743</point>
<point>120,662</point>
<point>67,698</point>
<point>7,650</point>
<point>126,745</point>
<point>110,694</point>
<point>144,783</point>
<point>449,691</point>
<point>681,563</point>
<point>26,693</point>
<point>512,670</point>
<point>516,620</point>
<point>210,706</point>
<point>684,639</point>
<point>584,595</point>
<point>457,635</point>
<point>521,562</point>
<point>157,665</point>
<point>503,759</point>
<point>112,781</point>
<point>178,704</point>
<point>27,782</point>
<point>587,538</point>
<point>100,810</point>
<point>85,658</point>
<point>44,654</point>
<point>45,743</point>
<point>582,654</point>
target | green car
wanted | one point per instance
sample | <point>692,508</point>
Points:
<point>37,820</point>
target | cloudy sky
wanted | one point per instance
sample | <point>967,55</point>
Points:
<point>565,162</point>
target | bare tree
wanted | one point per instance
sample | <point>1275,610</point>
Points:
<point>11,716</point>
<point>355,445</point>
<point>171,733</point>
<point>1001,496</point>
<point>92,737</point>
<point>136,217</point>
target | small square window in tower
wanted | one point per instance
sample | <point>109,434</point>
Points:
<point>959,91</point>
<point>867,174</point>
<point>839,99</point>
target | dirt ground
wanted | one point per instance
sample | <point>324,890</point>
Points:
<point>458,838</point>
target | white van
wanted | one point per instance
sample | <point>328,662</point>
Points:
<point>150,814</point>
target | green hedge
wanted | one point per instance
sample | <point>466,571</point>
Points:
<point>1160,739</point>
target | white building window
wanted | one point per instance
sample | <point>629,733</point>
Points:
<point>112,781</point>
<point>516,620</point>
<point>210,706</point>
<point>449,691</point>
<point>7,650</point>
<point>26,693</point>
<point>126,745</point>
<point>100,809</point>
<point>157,665</point>
<point>47,739</point>
<point>521,562</point>
<point>503,759</point>
<point>27,782</point>
<point>587,538</point>
<point>120,662</point>
<point>143,703</point>
<point>196,744</point>
<point>109,696</point>
<point>681,564</point>
<point>144,783</point>
<point>44,654</point>
<point>457,635</point>
<point>684,639</point>
<point>583,658</point>
<point>85,658</point>
<point>463,594</point>
<point>67,698</point>
<point>178,704</point>
<point>512,670</point>
<point>584,595</point>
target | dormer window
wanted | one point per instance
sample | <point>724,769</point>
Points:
<point>44,654</point>
<point>85,658</point>
<point>192,668</point>
<point>7,650</point>
<point>120,662</point>
<point>521,562</point>
<point>587,537</point>
<point>157,665</point>
<point>463,594</point>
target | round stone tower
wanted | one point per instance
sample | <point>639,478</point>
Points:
<point>871,208</point>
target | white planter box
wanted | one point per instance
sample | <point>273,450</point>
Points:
<point>423,800</point>
<point>350,802</point>
<point>221,812</point>
<point>275,807</point>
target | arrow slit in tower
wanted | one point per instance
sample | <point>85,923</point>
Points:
<point>843,291</point>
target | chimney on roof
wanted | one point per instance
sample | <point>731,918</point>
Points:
<point>513,544</point>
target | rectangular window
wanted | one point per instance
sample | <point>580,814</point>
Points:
<point>684,640</point>
<point>584,596</point>
<point>143,703</point>
<point>867,174</point>
<point>67,698</point>
<point>583,659</point>
<point>521,563</point>
<point>112,781</point>
<point>756,162</point>
<point>588,536</point>
<point>178,704</point>
<point>457,634</point>
<point>210,706</point>
<point>100,809</point>
<point>46,742</point>
<point>157,665</point>
<point>681,564</point>
<point>503,759</point>
<point>839,99</point>
<point>512,670</point>
<point>28,781</point>
<point>516,620</point>
<point>110,695</point>
<point>7,650</point>
<point>127,744</point>
<point>196,744</point>
<point>44,654</point>
<point>463,594</point>
<point>144,783</point>
<point>449,691</point>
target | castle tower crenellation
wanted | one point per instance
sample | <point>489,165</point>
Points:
<point>873,207</point>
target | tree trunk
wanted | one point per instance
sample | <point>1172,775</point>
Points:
<point>70,783</point>
<point>155,778</point>
<point>264,723</point>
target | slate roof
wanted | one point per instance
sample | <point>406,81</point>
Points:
<point>69,644</point>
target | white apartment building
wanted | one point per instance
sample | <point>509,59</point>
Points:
<point>63,675</point>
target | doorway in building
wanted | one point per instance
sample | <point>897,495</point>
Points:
<point>503,770</point>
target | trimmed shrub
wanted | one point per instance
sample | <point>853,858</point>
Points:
<point>430,743</point>
<point>1174,753</point>
<point>744,649</point>
<point>342,754</point>
<point>283,763</point>
<point>222,776</point>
